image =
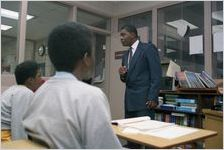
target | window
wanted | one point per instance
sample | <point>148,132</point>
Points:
<point>47,15</point>
<point>142,21</point>
<point>9,36</point>
<point>93,19</point>
<point>217,39</point>
<point>180,35</point>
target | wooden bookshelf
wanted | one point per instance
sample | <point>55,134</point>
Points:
<point>204,98</point>
<point>199,90</point>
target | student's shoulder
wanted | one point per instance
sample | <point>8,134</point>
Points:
<point>18,89</point>
<point>89,88</point>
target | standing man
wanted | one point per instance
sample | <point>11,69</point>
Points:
<point>65,112</point>
<point>141,71</point>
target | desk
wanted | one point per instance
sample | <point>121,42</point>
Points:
<point>158,142</point>
<point>21,144</point>
<point>214,121</point>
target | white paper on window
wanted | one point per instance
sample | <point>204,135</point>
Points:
<point>196,45</point>
<point>218,42</point>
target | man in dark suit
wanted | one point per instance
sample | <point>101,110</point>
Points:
<point>141,71</point>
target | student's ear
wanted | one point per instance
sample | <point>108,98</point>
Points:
<point>29,81</point>
<point>87,60</point>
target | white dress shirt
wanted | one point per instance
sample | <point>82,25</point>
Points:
<point>67,113</point>
<point>134,47</point>
<point>14,102</point>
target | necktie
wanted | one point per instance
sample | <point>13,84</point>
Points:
<point>130,56</point>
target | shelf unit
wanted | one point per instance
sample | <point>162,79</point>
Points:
<point>203,99</point>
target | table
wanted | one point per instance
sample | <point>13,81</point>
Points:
<point>158,142</point>
<point>21,144</point>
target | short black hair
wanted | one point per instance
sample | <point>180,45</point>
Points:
<point>130,29</point>
<point>26,70</point>
<point>67,44</point>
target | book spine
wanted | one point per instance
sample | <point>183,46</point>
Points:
<point>183,100</point>
<point>186,109</point>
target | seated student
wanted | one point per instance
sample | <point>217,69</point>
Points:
<point>14,101</point>
<point>66,112</point>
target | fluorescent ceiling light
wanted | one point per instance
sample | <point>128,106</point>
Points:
<point>180,23</point>
<point>218,15</point>
<point>12,14</point>
<point>5,27</point>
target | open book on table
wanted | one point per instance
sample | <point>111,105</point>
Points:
<point>122,122</point>
<point>144,125</point>
<point>140,123</point>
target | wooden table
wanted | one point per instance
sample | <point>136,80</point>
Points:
<point>158,142</point>
<point>21,144</point>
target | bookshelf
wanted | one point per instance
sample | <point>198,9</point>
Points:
<point>184,107</point>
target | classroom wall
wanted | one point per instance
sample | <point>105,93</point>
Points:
<point>116,87</point>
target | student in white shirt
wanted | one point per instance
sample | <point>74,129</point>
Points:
<point>66,112</point>
<point>15,100</point>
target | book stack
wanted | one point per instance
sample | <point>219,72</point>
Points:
<point>186,105</point>
<point>180,104</point>
<point>188,79</point>
<point>171,99</point>
<point>177,118</point>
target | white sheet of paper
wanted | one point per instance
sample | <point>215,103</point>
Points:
<point>196,45</point>
<point>218,42</point>
<point>172,69</point>
<point>131,131</point>
<point>147,125</point>
<point>122,122</point>
<point>170,132</point>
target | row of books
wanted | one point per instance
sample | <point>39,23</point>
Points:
<point>177,118</point>
<point>174,102</point>
<point>171,107</point>
<point>188,79</point>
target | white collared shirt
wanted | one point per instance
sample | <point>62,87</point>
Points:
<point>67,113</point>
<point>134,47</point>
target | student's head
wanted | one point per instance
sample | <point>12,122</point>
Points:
<point>128,35</point>
<point>69,48</point>
<point>28,74</point>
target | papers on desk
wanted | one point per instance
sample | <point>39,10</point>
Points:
<point>122,122</point>
<point>144,125</point>
<point>147,125</point>
<point>170,132</point>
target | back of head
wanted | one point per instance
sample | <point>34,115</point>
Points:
<point>130,29</point>
<point>67,44</point>
<point>25,70</point>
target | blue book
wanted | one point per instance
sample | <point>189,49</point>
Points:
<point>186,109</point>
<point>185,100</point>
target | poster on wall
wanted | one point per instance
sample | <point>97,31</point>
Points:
<point>218,42</point>
<point>196,45</point>
<point>119,54</point>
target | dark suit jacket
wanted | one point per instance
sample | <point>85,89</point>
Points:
<point>143,77</point>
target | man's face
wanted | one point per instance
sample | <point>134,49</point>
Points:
<point>126,38</point>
